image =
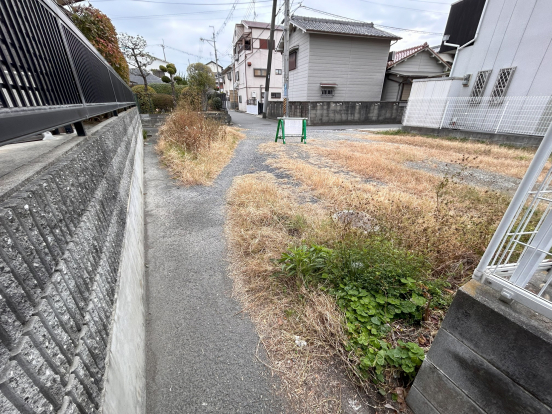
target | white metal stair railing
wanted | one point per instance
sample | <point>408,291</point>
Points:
<point>518,260</point>
<point>524,115</point>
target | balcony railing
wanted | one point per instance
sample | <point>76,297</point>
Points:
<point>50,75</point>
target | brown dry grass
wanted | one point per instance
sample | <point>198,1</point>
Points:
<point>503,160</point>
<point>264,218</point>
<point>195,149</point>
<point>450,223</point>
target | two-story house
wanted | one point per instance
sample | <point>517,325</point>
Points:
<point>336,60</point>
<point>250,44</point>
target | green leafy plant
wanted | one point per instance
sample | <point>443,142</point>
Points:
<point>144,99</point>
<point>375,284</point>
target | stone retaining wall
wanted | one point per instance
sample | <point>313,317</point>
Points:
<point>64,266</point>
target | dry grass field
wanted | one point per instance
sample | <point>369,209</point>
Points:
<point>290,231</point>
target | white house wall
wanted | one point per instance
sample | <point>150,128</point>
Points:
<point>298,78</point>
<point>513,33</point>
<point>357,65</point>
<point>249,85</point>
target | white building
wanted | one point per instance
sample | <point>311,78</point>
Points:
<point>501,77</point>
<point>216,69</point>
<point>250,44</point>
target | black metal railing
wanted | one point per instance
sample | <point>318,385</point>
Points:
<point>50,75</point>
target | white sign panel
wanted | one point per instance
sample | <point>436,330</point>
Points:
<point>294,127</point>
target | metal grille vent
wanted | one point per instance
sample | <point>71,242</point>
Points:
<point>501,84</point>
<point>34,69</point>
<point>93,74</point>
<point>479,86</point>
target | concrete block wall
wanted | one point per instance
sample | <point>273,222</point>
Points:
<point>63,237</point>
<point>488,357</point>
<point>334,112</point>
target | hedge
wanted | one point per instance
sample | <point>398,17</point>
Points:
<point>162,102</point>
<point>165,88</point>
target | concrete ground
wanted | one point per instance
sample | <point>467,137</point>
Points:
<point>200,348</point>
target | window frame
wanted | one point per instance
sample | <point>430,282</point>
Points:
<point>277,71</point>
<point>325,92</point>
<point>262,71</point>
<point>294,53</point>
<point>479,85</point>
<point>500,86</point>
<point>273,95</point>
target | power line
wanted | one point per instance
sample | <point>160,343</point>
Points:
<point>401,7</point>
<point>375,24</point>
<point>175,3</point>
<point>228,17</point>
<point>169,14</point>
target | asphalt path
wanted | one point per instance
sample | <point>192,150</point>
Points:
<point>200,348</point>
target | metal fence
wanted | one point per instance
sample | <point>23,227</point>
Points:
<point>524,115</point>
<point>518,261</point>
<point>50,75</point>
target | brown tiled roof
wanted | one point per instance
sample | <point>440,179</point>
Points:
<point>406,53</point>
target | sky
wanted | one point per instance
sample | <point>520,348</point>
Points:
<point>181,23</point>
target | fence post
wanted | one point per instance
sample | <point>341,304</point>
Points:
<point>503,112</point>
<point>444,114</point>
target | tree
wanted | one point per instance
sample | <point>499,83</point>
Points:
<point>134,49</point>
<point>171,70</point>
<point>201,79</point>
<point>99,31</point>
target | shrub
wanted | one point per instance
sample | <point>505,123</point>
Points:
<point>215,103</point>
<point>191,98</point>
<point>162,102</point>
<point>144,100</point>
<point>190,131</point>
<point>165,89</point>
<point>375,284</point>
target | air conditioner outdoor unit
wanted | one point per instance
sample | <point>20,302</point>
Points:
<point>466,80</point>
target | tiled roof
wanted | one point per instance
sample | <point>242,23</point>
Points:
<point>403,54</point>
<point>314,24</point>
<point>260,25</point>
<point>135,77</point>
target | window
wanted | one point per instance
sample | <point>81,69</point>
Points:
<point>247,44</point>
<point>259,72</point>
<point>237,76</point>
<point>229,76</point>
<point>263,43</point>
<point>275,95</point>
<point>293,60</point>
<point>327,92</point>
<point>405,93</point>
<point>501,84</point>
<point>479,86</point>
<point>278,71</point>
<point>240,99</point>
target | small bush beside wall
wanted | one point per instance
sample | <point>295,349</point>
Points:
<point>165,89</point>
<point>144,101</point>
<point>162,102</point>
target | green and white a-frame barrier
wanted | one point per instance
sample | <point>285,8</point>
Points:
<point>291,127</point>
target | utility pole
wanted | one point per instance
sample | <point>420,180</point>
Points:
<point>163,46</point>
<point>270,51</point>
<point>214,44</point>
<point>286,55</point>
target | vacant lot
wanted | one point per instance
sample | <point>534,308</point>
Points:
<point>347,252</point>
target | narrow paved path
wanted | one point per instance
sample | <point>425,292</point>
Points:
<point>200,349</point>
